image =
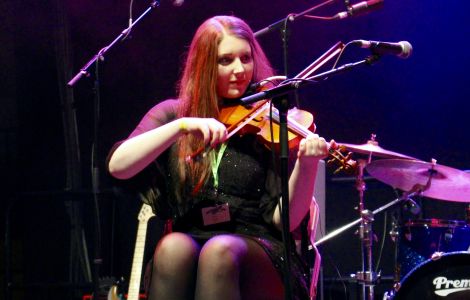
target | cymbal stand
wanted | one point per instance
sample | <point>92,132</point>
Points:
<point>367,277</point>
<point>395,235</point>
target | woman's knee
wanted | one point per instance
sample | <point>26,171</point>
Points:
<point>174,252</point>
<point>223,255</point>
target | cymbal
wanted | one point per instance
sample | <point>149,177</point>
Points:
<point>446,183</point>
<point>372,147</point>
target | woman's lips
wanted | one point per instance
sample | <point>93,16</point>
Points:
<point>238,82</point>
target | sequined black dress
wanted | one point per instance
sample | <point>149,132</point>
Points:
<point>247,183</point>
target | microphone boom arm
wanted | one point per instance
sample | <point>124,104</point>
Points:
<point>294,83</point>
<point>291,18</point>
<point>84,70</point>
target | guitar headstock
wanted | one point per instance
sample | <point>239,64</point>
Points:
<point>145,213</point>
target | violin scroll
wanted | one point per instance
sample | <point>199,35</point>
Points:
<point>343,162</point>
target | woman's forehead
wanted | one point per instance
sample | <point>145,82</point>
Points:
<point>231,44</point>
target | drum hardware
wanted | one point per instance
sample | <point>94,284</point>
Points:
<point>372,148</point>
<point>413,207</point>
<point>367,277</point>
<point>394,236</point>
<point>435,181</point>
<point>448,235</point>
<point>420,240</point>
<point>443,276</point>
<point>413,248</point>
<point>415,178</point>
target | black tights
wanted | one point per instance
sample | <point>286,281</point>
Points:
<point>225,267</point>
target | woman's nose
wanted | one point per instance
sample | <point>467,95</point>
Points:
<point>238,66</point>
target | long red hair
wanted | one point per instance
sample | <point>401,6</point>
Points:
<point>198,88</point>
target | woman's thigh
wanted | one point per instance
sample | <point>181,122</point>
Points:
<point>259,277</point>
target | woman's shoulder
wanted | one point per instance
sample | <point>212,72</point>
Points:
<point>160,114</point>
<point>163,112</point>
<point>168,106</point>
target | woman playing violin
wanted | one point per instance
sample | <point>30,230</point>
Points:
<point>225,241</point>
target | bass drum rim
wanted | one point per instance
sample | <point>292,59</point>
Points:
<point>444,263</point>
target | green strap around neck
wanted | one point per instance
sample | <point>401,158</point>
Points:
<point>215,162</point>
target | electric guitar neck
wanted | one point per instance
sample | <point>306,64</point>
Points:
<point>136,272</point>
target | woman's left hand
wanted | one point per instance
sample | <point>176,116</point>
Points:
<point>312,148</point>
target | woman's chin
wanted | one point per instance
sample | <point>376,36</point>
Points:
<point>235,93</point>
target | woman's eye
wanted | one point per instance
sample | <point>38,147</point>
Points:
<point>246,59</point>
<point>224,61</point>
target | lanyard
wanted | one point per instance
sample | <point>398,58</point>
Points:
<point>215,162</point>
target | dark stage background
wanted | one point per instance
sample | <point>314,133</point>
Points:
<point>417,107</point>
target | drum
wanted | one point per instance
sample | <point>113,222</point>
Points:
<point>445,277</point>
<point>419,239</point>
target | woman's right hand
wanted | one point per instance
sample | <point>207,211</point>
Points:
<point>210,130</point>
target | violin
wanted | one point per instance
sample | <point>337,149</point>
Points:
<point>241,119</point>
<point>256,119</point>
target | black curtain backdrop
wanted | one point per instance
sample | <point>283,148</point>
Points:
<point>418,107</point>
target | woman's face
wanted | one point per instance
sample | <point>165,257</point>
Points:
<point>235,67</point>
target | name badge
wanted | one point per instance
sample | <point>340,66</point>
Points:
<point>215,214</point>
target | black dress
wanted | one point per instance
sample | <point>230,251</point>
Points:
<point>247,182</point>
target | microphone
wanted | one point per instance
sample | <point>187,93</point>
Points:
<point>360,8</point>
<point>401,49</point>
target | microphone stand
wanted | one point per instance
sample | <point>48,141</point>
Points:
<point>281,104</point>
<point>98,260</point>
<point>295,83</point>
<point>100,55</point>
<point>290,18</point>
<point>283,24</point>
<point>367,277</point>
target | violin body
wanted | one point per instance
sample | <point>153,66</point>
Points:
<point>256,119</point>
<point>261,119</point>
<point>300,123</point>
